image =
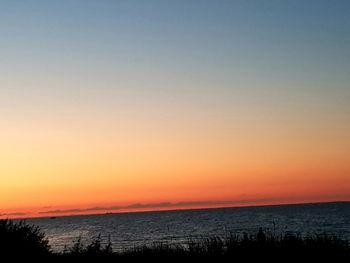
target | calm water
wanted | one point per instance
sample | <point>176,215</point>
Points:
<point>133,229</point>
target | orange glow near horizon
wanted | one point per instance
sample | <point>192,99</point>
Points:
<point>52,169</point>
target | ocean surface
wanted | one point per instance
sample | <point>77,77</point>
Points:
<point>128,230</point>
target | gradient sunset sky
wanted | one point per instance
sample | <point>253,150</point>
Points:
<point>141,105</point>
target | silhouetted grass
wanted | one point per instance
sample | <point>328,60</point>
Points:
<point>237,247</point>
<point>20,239</point>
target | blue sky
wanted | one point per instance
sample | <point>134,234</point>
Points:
<point>195,51</point>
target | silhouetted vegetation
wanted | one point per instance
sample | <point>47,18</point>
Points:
<point>22,239</point>
<point>25,240</point>
<point>94,249</point>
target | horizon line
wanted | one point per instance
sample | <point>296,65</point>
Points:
<point>182,209</point>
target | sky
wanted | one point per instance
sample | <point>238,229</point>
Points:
<point>109,106</point>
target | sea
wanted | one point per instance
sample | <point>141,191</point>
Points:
<point>129,230</point>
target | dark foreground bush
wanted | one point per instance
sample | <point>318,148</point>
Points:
<point>20,239</point>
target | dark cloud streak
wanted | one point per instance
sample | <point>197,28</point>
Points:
<point>169,205</point>
<point>13,214</point>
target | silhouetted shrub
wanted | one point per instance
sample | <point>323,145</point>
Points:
<point>21,239</point>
